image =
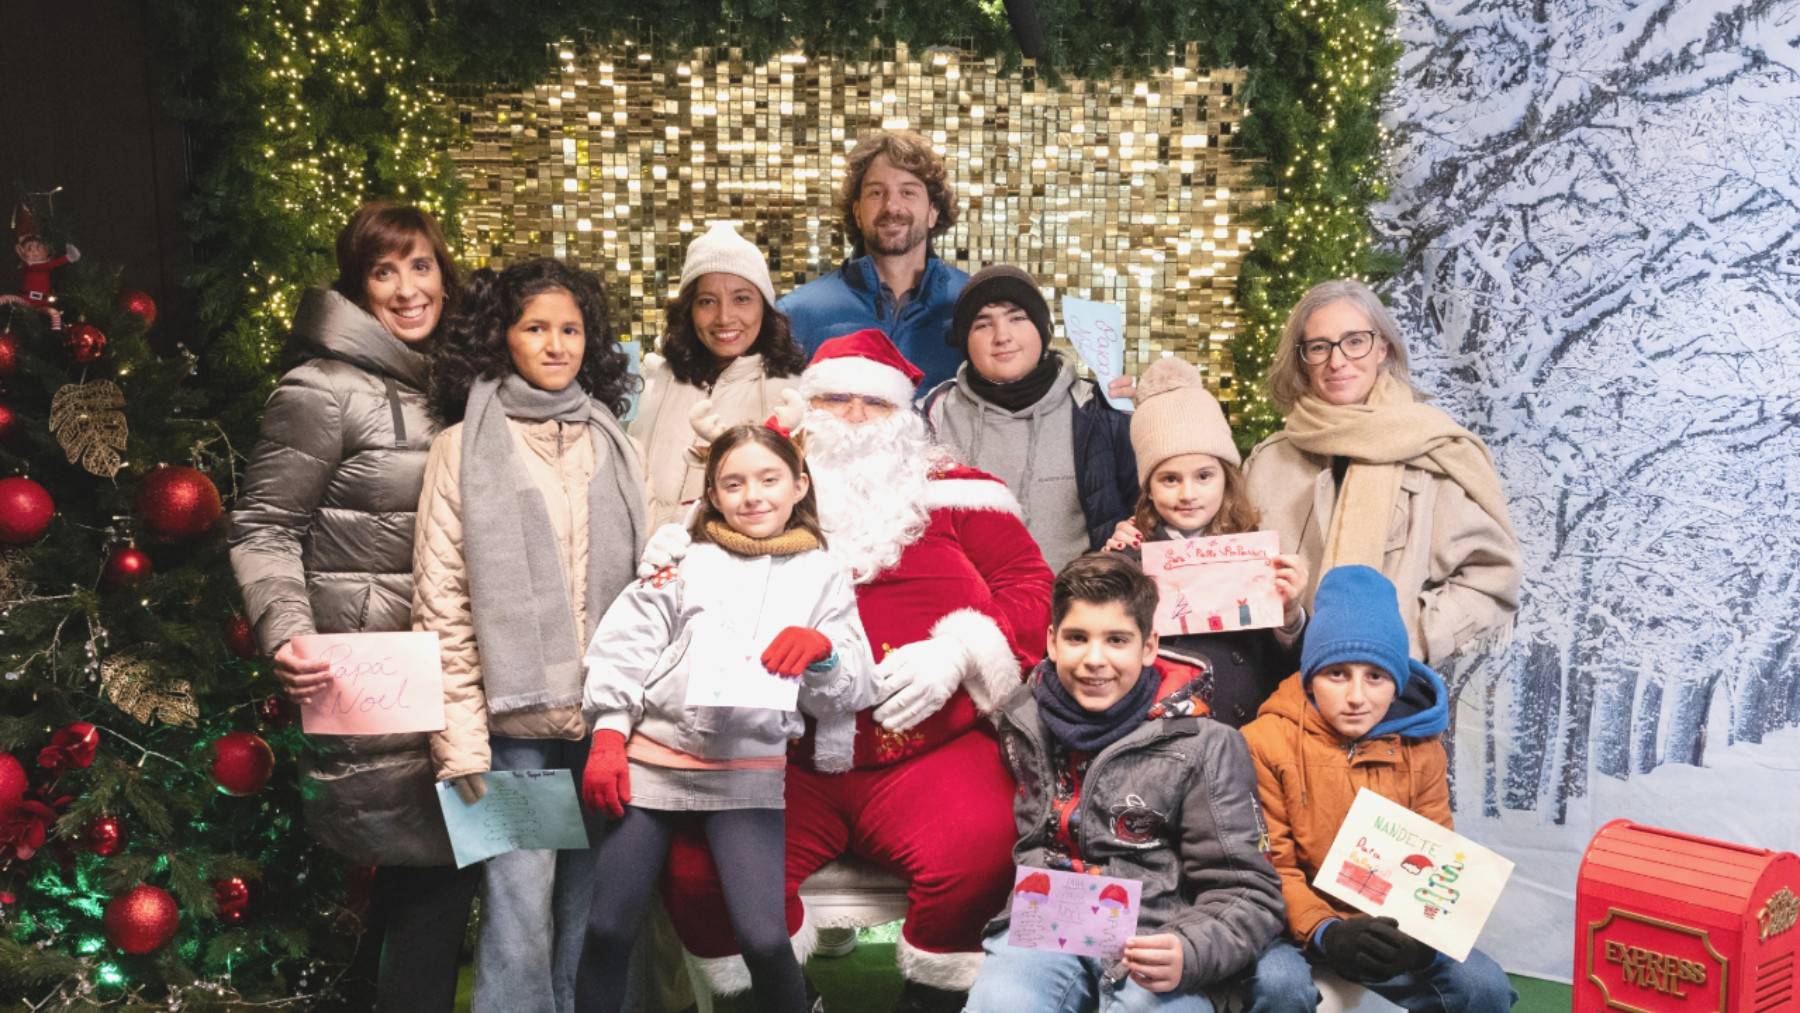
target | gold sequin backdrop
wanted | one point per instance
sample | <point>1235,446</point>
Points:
<point>1124,191</point>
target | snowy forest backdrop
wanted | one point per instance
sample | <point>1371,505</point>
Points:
<point>1599,204</point>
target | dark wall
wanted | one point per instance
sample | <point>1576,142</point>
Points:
<point>81,112</point>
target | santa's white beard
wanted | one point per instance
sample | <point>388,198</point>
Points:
<point>871,480</point>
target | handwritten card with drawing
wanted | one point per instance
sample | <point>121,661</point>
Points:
<point>726,670</point>
<point>1437,884</point>
<point>523,810</point>
<point>1097,330</point>
<point>1067,912</point>
<point>381,683</point>
<point>1215,584</point>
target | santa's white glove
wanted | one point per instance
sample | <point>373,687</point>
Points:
<point>913,681</point>
<point>667,546</point>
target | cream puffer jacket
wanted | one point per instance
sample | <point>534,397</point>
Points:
<point>1456,568</point>
<point>560,459</point>
<point>674,460</point>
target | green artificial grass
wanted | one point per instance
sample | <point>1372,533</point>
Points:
<point>867,982</point>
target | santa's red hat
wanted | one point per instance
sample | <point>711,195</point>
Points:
<point>866,363</point>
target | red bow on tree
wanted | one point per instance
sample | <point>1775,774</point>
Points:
<point>71,747</point>
<point>24,831</point>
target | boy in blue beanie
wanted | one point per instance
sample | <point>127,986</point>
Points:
<point>1359,714</point>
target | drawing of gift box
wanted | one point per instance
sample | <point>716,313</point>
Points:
<point>1368,882</point>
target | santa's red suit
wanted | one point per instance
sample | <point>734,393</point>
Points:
<point>932,802</point>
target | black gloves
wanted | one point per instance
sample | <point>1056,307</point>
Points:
<point>1372,949</point>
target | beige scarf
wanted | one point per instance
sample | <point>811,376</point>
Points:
<point>1383,437</point>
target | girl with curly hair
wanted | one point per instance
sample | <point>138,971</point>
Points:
<point>530,524</point>
<point>723,340</point>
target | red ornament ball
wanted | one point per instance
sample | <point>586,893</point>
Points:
<point>9,354</point>
<point>85,343</point>
<point>232,898</point>
<point>9,423</point>
<point>239,638</point>
<point>242,763</point>
<point>275,712</point>
<point>127,566</point>
<point>178,503</point>
<point>105,836</point>
<point>140,305</point>
<point>13,783</point>
<point>25,510</point>
<point>141,920</point>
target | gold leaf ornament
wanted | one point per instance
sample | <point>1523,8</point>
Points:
<point>89,426</point>
<point>131,684</point>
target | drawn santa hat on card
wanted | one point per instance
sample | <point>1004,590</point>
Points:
<point>1114,898</point>
<point>1036,886</point>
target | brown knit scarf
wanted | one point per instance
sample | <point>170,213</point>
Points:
<point>1383,437</point>
<point>791,542</point>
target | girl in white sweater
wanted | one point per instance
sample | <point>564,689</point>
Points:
<point>755,594</point>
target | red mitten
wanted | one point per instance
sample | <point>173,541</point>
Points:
<point>606,783</point>
<point>795,648</point>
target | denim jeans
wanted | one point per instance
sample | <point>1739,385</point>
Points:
<point>1015,979</point>
<point>1284,984</point>
<point>534,904</point>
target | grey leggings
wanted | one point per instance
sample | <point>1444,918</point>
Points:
<point>748,846</point>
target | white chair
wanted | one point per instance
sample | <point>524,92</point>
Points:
<point>850,893</point>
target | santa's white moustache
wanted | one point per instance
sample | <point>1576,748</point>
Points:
<point>871,480</point>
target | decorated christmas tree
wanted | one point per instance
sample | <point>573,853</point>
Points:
<point>150,847</point>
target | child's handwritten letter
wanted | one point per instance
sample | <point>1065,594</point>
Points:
<point>1067,912</point>
<point>1097,330</point>
<point>1216,584</point>
<point>380,683</point>
<point>523,810</point>
<point>725,670</point>
<point>1438,885</point>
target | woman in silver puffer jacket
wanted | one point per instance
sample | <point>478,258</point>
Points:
<point>322,542</point>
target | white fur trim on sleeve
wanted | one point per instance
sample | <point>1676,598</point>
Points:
<point>850,375</point>
<point>996,668</point>
<point>970,494</point>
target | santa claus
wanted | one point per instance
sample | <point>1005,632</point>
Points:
<point>955,598</point>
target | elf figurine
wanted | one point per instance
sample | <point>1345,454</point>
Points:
<point>34,277</point>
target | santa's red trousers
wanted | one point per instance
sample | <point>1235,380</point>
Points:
<point>943,820</point>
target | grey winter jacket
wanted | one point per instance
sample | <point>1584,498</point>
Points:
<point>1171,805</point>
<point>321,542</point>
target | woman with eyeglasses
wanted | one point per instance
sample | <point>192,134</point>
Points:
<point>1365,473</point>
<point>723,341</point>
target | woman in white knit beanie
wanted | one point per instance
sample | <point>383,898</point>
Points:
<point>723,340</point>
<point>1190,485</point>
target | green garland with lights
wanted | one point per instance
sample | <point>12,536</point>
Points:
<point>297,111</point>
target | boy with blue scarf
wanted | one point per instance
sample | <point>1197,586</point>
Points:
<point>1359,714</point>
<point>1121,773</point>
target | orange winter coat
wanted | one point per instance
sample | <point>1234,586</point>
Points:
<point>1306,777</point>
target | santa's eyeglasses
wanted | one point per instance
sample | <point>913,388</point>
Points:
<point>840,404</point>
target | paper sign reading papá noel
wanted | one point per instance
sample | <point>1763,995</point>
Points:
<point>1067,912</point>
<point>1097,330</point>
<point>1216,584</point>
<point>380,683</point>
<point>1437,884</point>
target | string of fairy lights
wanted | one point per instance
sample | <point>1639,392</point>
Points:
<point>345,113</point>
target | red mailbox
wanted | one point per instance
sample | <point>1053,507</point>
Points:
<point>1667,921</point>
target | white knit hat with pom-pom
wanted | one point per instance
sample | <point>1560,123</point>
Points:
<point>720,250</point>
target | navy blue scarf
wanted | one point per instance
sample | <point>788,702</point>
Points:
<point>1091,731</point>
